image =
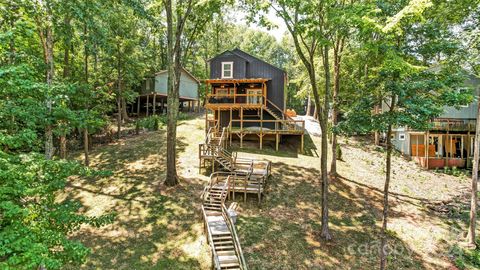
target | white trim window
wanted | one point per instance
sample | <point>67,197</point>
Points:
<point>254,96</point>
<point>227,70</point>
<point>401,137</point>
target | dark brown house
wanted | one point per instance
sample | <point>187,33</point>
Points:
<point>247,96</point>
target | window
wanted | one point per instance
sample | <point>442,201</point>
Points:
<point>401,137</point>
<point>227,70</point>
<point>254,96</point>
<point>222,92</point>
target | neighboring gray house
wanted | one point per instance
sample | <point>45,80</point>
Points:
<point>153,93</point>
<point>449,141</point>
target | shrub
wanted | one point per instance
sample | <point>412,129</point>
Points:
<point>34,225</point>
<point>153,122</point>
<point>338,149</point>
<point>466,258</point>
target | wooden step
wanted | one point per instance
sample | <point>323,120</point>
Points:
<point>216,237</point>
<point>220,233</point>
<point>227,253</point>
<point>209,208</point>
<point>230,265</point>
<point>219,205</point>
<point>229,247</point>
<point>229,259</point>
<point>222,241</point>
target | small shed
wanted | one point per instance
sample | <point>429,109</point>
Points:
<point>153,93</point>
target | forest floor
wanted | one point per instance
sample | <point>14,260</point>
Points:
<point>158,227</point>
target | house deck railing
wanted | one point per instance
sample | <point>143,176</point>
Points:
<point>252,99</point>
<point>279,126</point>
<point>453,125</point>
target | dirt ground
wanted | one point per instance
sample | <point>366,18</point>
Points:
<point>161,228</point>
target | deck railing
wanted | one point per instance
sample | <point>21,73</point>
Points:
<point>235,99</point>
<point>279,125</point>
<point>452,125</point>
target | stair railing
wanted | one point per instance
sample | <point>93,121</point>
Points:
<point>216,261</point>
<point>282,114</point>
<point>235,238</point>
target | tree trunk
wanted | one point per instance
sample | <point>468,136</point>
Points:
<point>172,102</point>
<point>63,146</point>
<point>85,147</point>
<point>336,89</point>
<point>85,48</point>
<point>325,233</point>
<point>473,203</point>
<point>309,105</point>
<point>377,133</point>
<point>315,112</point>
<point>383,236</point>
<point>125,117</point>
<point>49,78</point>
<point>119,96</point>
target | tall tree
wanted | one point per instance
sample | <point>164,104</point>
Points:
<point>411,93</point>
<point>307,24</point>
<point>178,14</point>
<point>44,19</point>
<point>471,37</point>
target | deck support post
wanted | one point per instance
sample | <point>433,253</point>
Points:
<point>468,146</point>
<point>230,126</point>
<point>427,142</point>
<point>138,106</point>
<point>241,139</point>
<point>261,129</point>
<point>154,103</point>
<point>241,119</point>
<point>276,141</point>
<point>447,149</point>
<point>301,143</point>
<point>148,103</point>
<point>206,121</point>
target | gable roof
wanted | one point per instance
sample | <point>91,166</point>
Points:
<point>247,57</point>
<point>184,70</point>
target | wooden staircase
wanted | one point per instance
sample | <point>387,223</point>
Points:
<point>221,233</point>
<point>272,113</point>
<point>247,175</point>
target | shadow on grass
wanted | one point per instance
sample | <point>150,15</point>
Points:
<point>288,147</point>
<point>156,227</point>
<point>285,230</point>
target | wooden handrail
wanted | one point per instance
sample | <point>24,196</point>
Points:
<point>292,124</point>
<point>210,241</point>
<point>236,240</point>
<point>276,107</point>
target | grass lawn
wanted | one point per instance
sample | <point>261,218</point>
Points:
<point>161,228</point>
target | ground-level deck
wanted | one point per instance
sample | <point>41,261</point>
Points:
<point>438,149</point>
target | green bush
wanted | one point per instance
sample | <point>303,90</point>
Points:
<point>466,258</point>
<point>153,122</point>
<point>34,225</point>
<point>339,152</point>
